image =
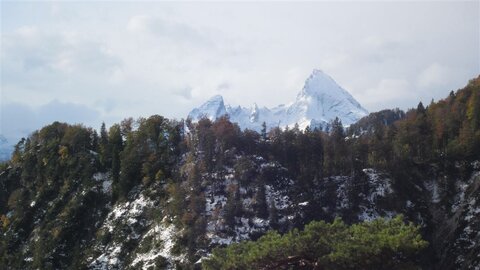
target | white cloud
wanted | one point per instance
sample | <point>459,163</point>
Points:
<point>185,92</point>
<point>435,75</point>
<point>386,91</point>
<point>139,23</point>
<point>136,59</point>
<point>28,33</point>
<point>172,31</point>
<point>55,9</point>
<point>40,65</point>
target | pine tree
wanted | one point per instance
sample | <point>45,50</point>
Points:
<point>379,244</point>
<point>261,206</point>
<point>263,131</point>
<point>115,145</point>
<point>105,154</point>
<point>233,206</point>
<point>273,214</point>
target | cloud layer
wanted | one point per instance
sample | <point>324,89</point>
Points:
<point>104,61</point>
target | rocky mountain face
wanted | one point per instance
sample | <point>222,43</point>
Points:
<point>159,197</point>
<point>319,102</point>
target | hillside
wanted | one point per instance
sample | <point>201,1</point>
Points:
<point>156,193</point>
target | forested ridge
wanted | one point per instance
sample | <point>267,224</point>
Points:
<point>75,198</point>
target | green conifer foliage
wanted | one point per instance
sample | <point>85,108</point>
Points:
<point>378,244</point>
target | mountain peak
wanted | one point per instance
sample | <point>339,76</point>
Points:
<point>317,72</point>
<point>318,103</point>
<point>213,109</point>
<point>216,98</point>
<point>320,83</point>
<point>322,99</point>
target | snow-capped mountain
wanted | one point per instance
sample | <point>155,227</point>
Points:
<point>318,103</point>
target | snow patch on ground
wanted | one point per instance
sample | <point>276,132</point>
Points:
<point>409,204</point>
<point>105,179</point>
<point>461,189</point>
<point>245,226</point>
<point>281,201</point>
<point>164,235</point>
<point>468,201</point>
<point>367,214</point>
<point>122,214</point>
<point>378,186</point>
<point>432,187</point>
<point>342,198</point>
<point>381,185</point>
<point>128,211</point>
<point>218,201</point>
<point>107,260</point>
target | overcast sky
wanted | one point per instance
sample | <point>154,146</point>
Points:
<point>88,62</point>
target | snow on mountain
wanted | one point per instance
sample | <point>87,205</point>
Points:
<point>321,100</point>
<point>212,109</point>
<point>318,103</point>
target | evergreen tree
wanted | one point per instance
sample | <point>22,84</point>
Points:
<point>273,214</point>
<point>261,206</point>
<point>233,206</point>
<point>263,132</point>
<point>379,244</point>
<point>115,145</point>
<point>105,153</point>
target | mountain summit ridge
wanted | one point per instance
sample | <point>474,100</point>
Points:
<point>319,102</point>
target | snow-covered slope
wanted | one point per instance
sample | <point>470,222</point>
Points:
<point>212,109</point>
<point>318,103</point>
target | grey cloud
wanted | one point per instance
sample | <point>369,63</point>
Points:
<point>174,31</point>
<point>380,50</point>
<point>66,111</point>
<point>185,92</point>
<point>18,120</point>
<point>31,56</point>
<point>106,104</point>
<point>223,87</point>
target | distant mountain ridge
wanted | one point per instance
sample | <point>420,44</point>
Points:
<point>319,102</point>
